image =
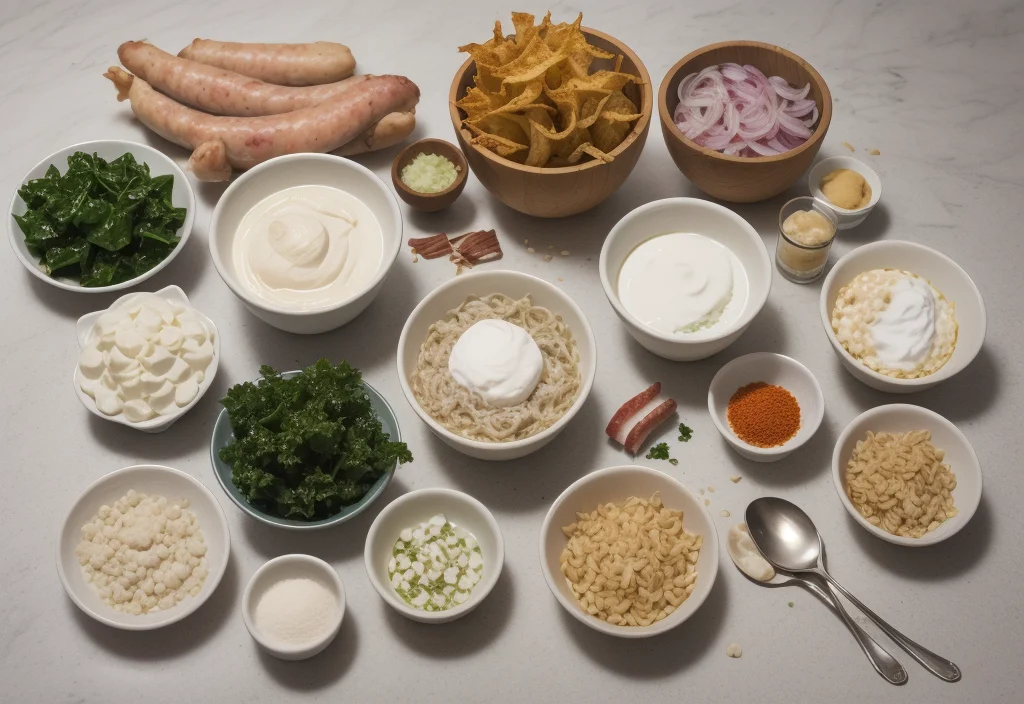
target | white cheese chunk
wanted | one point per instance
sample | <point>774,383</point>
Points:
<point>170,338</point>
<point>160,361</point>
<point>137,411</point>
<point>197,355</point>
<point>162,402</point>
<point>179,371</point>
<point>108,402</point>
<point>185,392</point>
<point>130,343</point>
<point>90,362</point>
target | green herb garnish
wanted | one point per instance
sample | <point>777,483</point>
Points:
<point>307,446</point>
<point>685,432</point>
<point>102,222</point>
<point>660,452</point>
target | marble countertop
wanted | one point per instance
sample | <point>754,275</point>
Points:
<point>934,86</point>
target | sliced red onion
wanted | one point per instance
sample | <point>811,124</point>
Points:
<point>737,110</point>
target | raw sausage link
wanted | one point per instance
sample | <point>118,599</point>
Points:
<point>247,141</point>
<point>219,91</point>
<point>391,130</point>
<point>283,64</point>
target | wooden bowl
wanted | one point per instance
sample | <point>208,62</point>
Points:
<point>429,202</point>
<point>740,179</point>
<point>564,190</point>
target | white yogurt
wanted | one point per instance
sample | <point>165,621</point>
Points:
<point>308,247</point>
<point>497,360</point>
<point>746,556</point>
<point>904,331</point>
<point>682,283</point>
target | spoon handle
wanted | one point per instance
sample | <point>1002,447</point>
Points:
<point>880,658</point>
<point>936,664</point>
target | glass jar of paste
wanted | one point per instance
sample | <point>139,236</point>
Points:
<point>807,228</point>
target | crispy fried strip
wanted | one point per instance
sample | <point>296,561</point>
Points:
<point>478,247</point>
<point>433,247</point>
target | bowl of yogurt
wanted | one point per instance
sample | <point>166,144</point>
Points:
<point>306,240</point>
<point>902,317</point>
<point>686,276</point>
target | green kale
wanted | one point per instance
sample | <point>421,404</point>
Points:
<point>685,432</point>
<point>660,452</point>
<point>307,446</point>
<point>101,222</point>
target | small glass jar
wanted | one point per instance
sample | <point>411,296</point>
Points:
<point>801,256</point>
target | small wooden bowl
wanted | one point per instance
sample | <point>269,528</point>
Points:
<point>740,179</point>
<point>429,202</point>
<point>564,190</point>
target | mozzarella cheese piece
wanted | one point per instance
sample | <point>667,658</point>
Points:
<point>145,359</point>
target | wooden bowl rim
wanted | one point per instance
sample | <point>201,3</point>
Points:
<point>646,112</point>
<point>452,152</point>
<point>819,132</point>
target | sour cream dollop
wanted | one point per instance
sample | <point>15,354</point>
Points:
<point>308,247</point>
<point>746,556</point>
<point>682,283</point>
<point>497,360</point>
<point>904,331</point>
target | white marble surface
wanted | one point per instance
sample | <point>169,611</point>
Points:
<point>935,86</point>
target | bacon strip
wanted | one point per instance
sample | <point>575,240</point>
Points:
<point>477,247</point>
<point>650,421</point>
<point>433,247</point>
<point>617,425</point>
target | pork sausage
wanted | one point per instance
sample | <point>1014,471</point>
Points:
<point>247,141</point>
<point>283,64</point>
<point>219,91</point>
<point>391,130</point>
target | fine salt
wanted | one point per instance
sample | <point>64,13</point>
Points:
<point>296,611</point>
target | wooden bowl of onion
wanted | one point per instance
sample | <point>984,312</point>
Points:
<point>743,120</point>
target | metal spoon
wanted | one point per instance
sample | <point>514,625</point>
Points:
<point>788,539</point>
<point>881,659</point>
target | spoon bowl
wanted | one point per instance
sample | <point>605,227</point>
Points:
<point>784,534</point>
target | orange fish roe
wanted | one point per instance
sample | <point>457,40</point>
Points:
<point>763,415</point>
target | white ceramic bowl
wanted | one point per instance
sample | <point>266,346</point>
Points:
<point>616,484</point>
<point>450,295</point>
<point>687,215</point>
<point>410,510</point>
<point>291,567</point>
<point>775,369</point>
<point>847,218</point>
<point>149,479</point>
<point>289,171</point>
<point>901,418</point>
<point>182,196</point>
<point>160,423</point>
<point>943,273</point>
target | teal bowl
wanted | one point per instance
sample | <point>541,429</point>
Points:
<point>223,435</point>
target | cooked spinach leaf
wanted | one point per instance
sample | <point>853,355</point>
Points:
<point>100,222</point>
<point>307,446</point>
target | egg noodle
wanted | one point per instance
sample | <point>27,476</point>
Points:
<point>465,413</point>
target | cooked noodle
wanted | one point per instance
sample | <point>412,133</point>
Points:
<point>466,413</point>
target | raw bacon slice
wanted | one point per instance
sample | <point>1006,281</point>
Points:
<point>433,247</point>
<point>649,422</point>
<point>618,428</point>
<point>477,247</point>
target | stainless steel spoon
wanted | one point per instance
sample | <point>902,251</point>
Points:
<point>881,659</point>
<point>788,539</point>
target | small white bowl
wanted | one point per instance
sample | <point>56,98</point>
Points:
<point>770,368</point>
<point>943,273</point>
<point>901,418</point>
<point>616,484</point>
<point>450,295</point>
<point>704,218</point>
<point>410,510</point>
<point>290,567</point>
<point>847,218</point>
<point>182,196</point>
<point>148,479</point>
<point>160,423</point>
<point>289,171</point>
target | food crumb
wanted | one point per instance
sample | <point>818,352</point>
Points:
<point>848,146</point>
<point>526,240</point>
<point>725,514</point>
<point>458,270</point>
<point>789,604</point>
<point>707,502</point>
<point>711,489</point>
<point>734,650</point>
<point>548,257</point>
<point>560,278</point>
<point>736,479</point>
<point>565,252</point>
<point>702,491</point>
<point>874,152</point>
<point>530,250</point>
<point>415,257</point>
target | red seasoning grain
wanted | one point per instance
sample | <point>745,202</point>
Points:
<point>763,415</point>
